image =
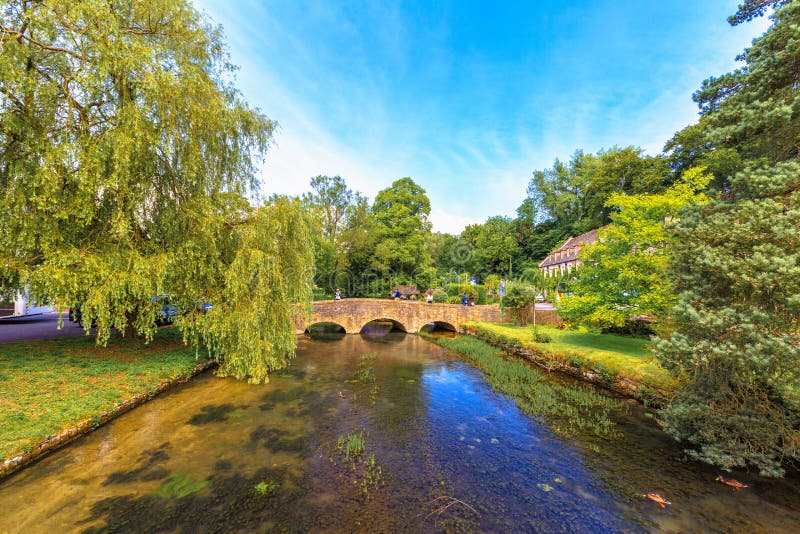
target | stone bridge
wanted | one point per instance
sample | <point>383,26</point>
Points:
<point>409,315</point>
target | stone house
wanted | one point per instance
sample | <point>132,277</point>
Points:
<point>564,259</point>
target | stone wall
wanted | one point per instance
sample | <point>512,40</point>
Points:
<point>353,314</point>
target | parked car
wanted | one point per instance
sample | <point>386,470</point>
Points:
<point>167,312</point>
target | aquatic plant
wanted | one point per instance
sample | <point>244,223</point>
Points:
<point>179,485</point>
<point>570,410</point>
<point>372,475</point>
<point>267,487</point>
<point>365,471</point>
<point>366,372</point>
<point>351,446</point>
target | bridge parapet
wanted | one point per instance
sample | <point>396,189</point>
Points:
<point>353,314</point>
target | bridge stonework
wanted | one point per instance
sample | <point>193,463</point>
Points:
<point>353,314</point>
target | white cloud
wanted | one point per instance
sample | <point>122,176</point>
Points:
<point>474,161</point>
<point>450,222</point>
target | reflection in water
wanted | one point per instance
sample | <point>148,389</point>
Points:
<point>326,332</point>
<point>439,328</point>
<point>380,328</point>
<point>448,454</point>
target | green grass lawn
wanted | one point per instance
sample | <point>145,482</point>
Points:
<point>616,355</point>
<point>49,385</point>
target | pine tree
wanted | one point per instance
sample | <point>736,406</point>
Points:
<point>736,266</point>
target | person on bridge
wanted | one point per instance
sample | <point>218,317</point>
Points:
<point>337,295</point>
<point>464,299</point>
<point>397,294</point>
<point>471,301</point>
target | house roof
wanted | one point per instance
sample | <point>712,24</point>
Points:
<point>572,246</point>
<point>407,290</point>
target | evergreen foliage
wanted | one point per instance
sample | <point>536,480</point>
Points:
<point>736,266</point>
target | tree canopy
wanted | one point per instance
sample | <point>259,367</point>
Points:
<point>736,267</point>
<point>624,274</point>
<point>127,157</point>
<point>574,194</point>
<point>401,228</point>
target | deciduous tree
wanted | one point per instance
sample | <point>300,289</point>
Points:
<point>401,228</point>
<point>126,156</point>
<point>624,274</point>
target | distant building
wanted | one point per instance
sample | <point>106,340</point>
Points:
<point>565,258</point>
<point>406,292</point>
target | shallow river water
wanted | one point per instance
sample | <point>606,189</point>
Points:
<point>441,452</point>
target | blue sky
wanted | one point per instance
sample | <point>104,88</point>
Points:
<point>468,98</point>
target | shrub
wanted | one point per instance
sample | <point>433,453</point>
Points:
<point>477,292</point>
<point>519,295</point>
<point>541,337</point>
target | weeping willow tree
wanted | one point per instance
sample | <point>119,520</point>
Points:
<point>266,284</point>
<point>127,158</point>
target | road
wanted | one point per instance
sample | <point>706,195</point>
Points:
<point>44,326</point>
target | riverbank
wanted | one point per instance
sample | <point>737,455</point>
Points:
<point>622,364</point>
<point>570,410</point>
<point>52,391</point>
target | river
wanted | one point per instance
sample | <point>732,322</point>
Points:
<point>383,434</point>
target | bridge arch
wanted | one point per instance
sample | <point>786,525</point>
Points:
<point>353,314</point>
<point>382,325</point>
<point>438,325</point>
<point>325,328</point>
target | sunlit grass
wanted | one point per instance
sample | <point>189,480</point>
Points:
<point>570,409</point>
<point>611,355</point>
<point>48,386</point>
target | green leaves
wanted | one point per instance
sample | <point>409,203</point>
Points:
<point>756,109</point>
<point>401,228</point>
<point>736,267</point>
<point>127,157</point>
<point>624,274</point>
<point>266,282</point>
<point>575,194</point>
